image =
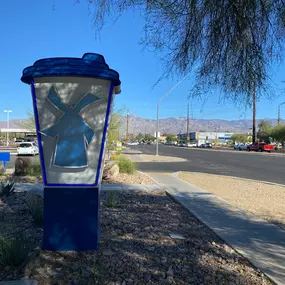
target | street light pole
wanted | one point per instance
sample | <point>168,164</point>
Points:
<point>127,130</point>
<point>7,111</point>
<point>158,105</point>
<point>278,121</point>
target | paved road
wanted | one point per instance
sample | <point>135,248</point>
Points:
<point>265,166</point>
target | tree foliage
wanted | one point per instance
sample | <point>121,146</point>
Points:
<point>233,41</point>
<point>264,131</point>
<point>115,127</point>
<point>140,137</point>
<point>239,138</point>
<point>171,137</point>
<point>149,137</point>
<point>278,133</point>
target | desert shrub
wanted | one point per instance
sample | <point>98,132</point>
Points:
<point>2,170</point>
<point>114,156</point>
<point>111,199</point>
<point>126,165</point>
<point>35,206</point>
<point>13,251</point>
<point>35,169</point>
<point>6,188</point>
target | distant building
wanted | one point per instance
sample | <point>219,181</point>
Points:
<point>162,139</point>
<point>202,137</point>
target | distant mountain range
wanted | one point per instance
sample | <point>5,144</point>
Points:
<point>179,125</point>
<point>174,125</point>
<point>13,124</point>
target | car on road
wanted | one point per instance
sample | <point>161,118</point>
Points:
<point>260,146</point>
<point>241,146</point>
<point>27,148</point>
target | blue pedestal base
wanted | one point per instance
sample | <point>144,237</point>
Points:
<point>71,218</point>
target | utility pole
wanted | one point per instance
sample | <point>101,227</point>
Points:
<point>254,138</point>
<point>279,116</point>
<point>8,112</point>
<point>127,131</point>
<point>188,136</point>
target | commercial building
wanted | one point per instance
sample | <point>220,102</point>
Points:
<point>203,137</point>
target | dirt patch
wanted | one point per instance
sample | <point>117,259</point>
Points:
<point>263,200</point>
<point>136,248</point>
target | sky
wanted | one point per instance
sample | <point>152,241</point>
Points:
<point>35,29</point>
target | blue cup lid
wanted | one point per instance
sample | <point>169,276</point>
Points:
<point>90,65</point>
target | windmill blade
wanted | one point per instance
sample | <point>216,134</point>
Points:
<point>55,100</point>
<point>85,101</point>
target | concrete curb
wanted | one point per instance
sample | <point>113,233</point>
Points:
<point>38,188</point>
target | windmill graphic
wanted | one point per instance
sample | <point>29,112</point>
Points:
<point>71,131</point>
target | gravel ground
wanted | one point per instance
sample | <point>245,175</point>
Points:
<point>136,178</point>
<point>135,248</point>
<point>154,158</point>
<point>263,200</point>
<point>21,179</point>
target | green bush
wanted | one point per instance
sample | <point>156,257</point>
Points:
<point>13,252</point>
<point>35,206</point>
<point>35,169</point>
<point>126,165</point>
<point>111,199</point>
<point>6,188</point>
<point>2,170</point>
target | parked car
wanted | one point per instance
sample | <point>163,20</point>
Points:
<point>260,146</point>
<point>241,146</point>
<point>133,143</point>
<point>170,143</point>
<point>206,145</point>
<point>191,144</point>
<point>27,148</point>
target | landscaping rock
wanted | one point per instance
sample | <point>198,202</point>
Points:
<point>111,171</point>
<point>22,166</point>
<point>128,253</point>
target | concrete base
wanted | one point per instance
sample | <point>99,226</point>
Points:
<point>71,218</point>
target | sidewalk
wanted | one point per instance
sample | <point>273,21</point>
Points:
<point>263,244</point>
<point>39,188</point>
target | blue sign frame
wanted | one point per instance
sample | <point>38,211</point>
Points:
<point>97,177</point>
